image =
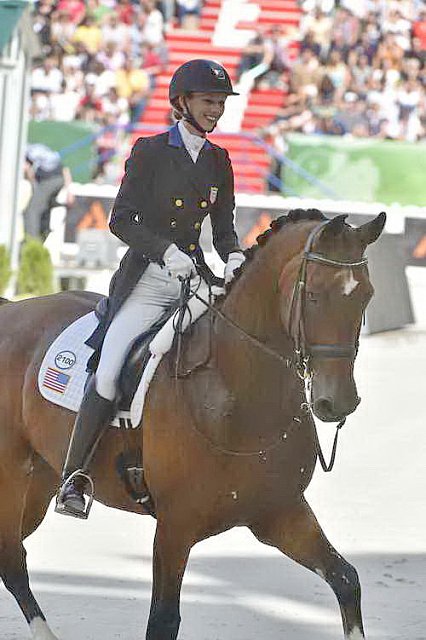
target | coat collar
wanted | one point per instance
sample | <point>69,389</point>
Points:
<point>175,139</point>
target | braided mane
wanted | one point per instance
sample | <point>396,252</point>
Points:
<point>294,215</point>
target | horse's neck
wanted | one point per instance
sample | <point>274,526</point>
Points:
<point>253,305</point>
<point>264,389</point>
<point>250,303</point>
<point>254,301</point>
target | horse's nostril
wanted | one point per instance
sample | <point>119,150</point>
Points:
<point>324,408</point>
<point>327,410</point>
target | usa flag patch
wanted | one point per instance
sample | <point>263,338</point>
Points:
<point>56,380</point>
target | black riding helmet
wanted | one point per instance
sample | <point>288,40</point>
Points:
<point>199,76</point>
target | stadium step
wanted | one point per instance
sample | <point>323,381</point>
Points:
<point>200,46</point>
<point>229,61</point>
<point>269,110</point>
<point>175,34</point>
<point>256,121</point>
<point>267,96</point>
<point>247,184</point>
<point>288,5</point>
<point>268,19</point>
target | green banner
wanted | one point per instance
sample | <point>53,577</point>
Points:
<point>359,169</point>
<point>74,140</point>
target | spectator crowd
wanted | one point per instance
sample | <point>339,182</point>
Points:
<point>360,70</point>
<point>352,67</point>
<point>101,60</point>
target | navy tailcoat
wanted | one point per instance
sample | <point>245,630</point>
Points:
<point>163,198</point>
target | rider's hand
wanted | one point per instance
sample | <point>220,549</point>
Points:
<point>235,260</point>
<point>178,263</point>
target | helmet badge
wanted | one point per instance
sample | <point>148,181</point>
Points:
<point>219,73</point>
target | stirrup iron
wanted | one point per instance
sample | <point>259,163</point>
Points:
<point>62,508</point>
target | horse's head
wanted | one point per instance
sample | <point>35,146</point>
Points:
<point>325,289</point>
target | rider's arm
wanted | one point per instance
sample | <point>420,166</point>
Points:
<point>128,219</point>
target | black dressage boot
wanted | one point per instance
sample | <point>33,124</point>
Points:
<point>93,419</point>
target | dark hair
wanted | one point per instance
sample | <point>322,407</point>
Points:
<point>176,109</point>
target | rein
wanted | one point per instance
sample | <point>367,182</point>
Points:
<point>288,362</point>
<point>302,348</point>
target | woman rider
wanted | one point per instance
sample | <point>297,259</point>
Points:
<point>172,182</point>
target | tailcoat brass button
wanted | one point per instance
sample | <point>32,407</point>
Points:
<point>179,202</point>
<point>192,247</point>
<point>197,226</point>
<point>204,204</point>
<point>173,224</point>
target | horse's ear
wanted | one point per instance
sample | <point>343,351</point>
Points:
<point>370,231</point>
<point>334,227</point>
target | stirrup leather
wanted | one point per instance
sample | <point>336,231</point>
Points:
<point>61,506</point>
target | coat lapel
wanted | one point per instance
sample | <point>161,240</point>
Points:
<point>200,174</point>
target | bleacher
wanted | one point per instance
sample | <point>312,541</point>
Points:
<point>250,161</point>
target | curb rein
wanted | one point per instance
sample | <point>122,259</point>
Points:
<point>302,348</point>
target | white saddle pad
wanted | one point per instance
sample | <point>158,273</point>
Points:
<point>63,375</point>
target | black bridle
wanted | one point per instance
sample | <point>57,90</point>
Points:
<point>304,350</point>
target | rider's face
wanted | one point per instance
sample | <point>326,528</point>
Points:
<point>206,108</point>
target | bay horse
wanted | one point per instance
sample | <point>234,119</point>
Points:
<point>230,444</point>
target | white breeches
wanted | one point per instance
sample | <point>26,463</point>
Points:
<point>155,291</point>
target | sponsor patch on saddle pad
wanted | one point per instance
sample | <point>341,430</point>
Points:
<point>62,376</point>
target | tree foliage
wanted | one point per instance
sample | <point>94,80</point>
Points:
<point>35,275</point>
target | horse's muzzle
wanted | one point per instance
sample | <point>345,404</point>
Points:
<point>326,410</point>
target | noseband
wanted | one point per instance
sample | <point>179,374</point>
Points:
<point>296,326</point>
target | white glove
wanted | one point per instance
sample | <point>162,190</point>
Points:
<point>178,263</point>
<point>235,260</point>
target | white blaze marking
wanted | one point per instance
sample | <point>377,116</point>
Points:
<point>356,635</point>
<point>348,281</point>
<point>40,630</point>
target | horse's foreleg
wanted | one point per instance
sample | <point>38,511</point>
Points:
<point>13,567</point>
<point>170,557</point>
<point>295,531</point>
<point>42,488</point>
